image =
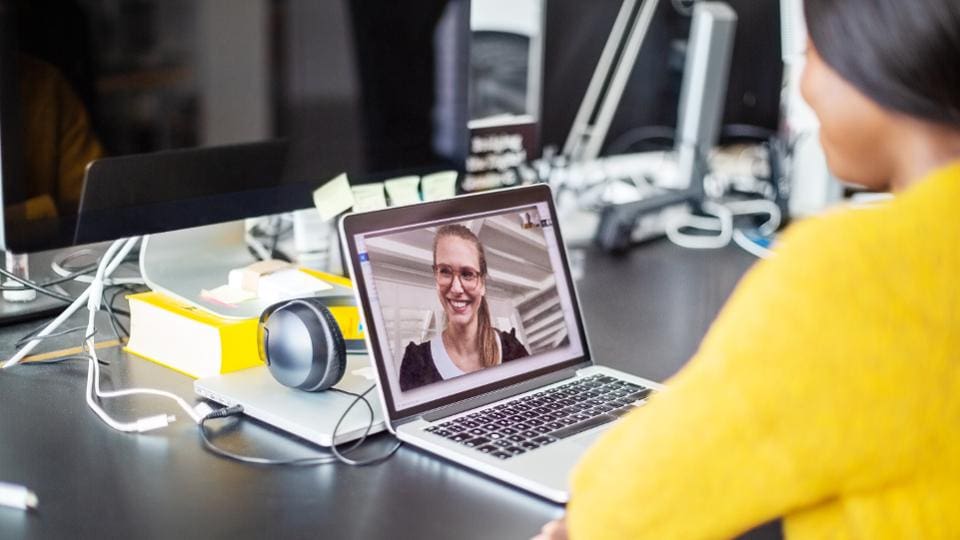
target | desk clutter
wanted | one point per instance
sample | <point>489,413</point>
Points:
<point>197,343</point>
<point>264,366</point>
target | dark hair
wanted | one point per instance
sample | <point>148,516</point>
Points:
<point>903,54</point>
<point>486,336</point>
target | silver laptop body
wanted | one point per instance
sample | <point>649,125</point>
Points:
<point>517,227</point>
<point>309,415</point>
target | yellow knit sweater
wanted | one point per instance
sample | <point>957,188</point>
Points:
<point>827,392</point>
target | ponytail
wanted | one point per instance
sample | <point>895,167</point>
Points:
<point>486,336</point>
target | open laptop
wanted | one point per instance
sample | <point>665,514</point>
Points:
<point>312,416</point>
<point>526,420</point>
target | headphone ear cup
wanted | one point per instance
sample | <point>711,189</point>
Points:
<point>334,351</point>
<point>301,343</point>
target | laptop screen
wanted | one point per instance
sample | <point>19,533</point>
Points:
<point>464,296</point>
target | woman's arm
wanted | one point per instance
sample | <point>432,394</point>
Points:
<point>778,411</point>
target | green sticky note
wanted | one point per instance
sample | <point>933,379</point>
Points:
<point>333,197</point>
<point>403,190</point>
<point>368,197</point>
<point>441,185</point>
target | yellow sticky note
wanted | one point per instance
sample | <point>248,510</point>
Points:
<point>368,197</point>
<point>403,190</point>
<point>333,197</point>
<point>441,185</point>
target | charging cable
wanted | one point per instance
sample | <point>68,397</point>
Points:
<point>111,263</point>
<point>754,247</point>
<point>59,268</point>
<point>720,220</point>
<point>118,252</point>
<point>338,455</point>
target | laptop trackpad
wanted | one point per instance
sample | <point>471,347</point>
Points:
<point>567,451</point>
<point>586,440</point>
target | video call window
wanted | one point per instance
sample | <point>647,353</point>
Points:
<point>461,297</point>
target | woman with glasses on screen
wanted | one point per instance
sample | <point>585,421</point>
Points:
<point>827,392</point>
<point>468,342</point>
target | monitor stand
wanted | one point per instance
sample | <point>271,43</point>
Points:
<point>182,264</point>
<point>42,306</point>
<point>39,308</point>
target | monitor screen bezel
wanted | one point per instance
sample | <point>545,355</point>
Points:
<point>360,224</point>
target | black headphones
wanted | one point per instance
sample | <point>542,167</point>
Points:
<point>302,345</point>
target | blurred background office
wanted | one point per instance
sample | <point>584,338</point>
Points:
<point>488,88</point>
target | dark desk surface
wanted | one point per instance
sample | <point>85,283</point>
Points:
<point>645,313</point>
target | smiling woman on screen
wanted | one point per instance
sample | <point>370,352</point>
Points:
<point>827,392</point>
<point>468,342</point>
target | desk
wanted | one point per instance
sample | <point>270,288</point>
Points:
<point>658,300</point>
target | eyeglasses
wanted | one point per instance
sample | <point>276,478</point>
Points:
<point>469,278</point>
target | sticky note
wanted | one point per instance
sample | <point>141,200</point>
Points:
<point>368,197</point>
<point>403,190</point>
<point>290,283</point>
<point>441,185</point>
<point>228,295</point>
<point>333,197</point>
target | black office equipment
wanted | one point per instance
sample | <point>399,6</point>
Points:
<point>201,112</point>
<point>363,87</point>
<point>575,34</point>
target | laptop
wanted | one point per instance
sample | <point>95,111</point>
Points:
<point>527,418</point>
<point>312,416</point>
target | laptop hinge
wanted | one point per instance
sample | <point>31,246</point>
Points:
<point>497,395</point>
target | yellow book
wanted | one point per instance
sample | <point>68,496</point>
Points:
<point>187,339</point>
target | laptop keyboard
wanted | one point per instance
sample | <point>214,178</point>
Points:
<point>543,418</point>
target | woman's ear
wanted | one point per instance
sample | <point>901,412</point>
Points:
<point>482,286</point>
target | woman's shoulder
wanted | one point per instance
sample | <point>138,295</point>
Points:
<point>861,245</point>
<point>415,354</point>
<point>884,228</point>
<point>511,346</point>
<point>416,368</point>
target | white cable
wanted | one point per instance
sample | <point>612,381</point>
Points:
<point>139,426</point>
<point>723,215</point>
<point>722,223</point>
<point>64,315</point>
<point>93,389</point>
<point>706,223</point>
<point>93,371</point>
<point>93,366</point>
<point>92,296</point>
<point>191,412</point>
<point>750,246</point>
<point>57,267</point>
<point>258,247</point>
<point>758,206</point>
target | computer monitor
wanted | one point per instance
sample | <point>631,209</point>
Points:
<point>646,117</point>
<point>127,118</point>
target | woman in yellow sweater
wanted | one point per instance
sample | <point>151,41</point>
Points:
<point>827,393</point>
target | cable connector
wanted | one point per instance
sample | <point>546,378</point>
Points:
<point>224,412</point>
<point>151,423</point>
